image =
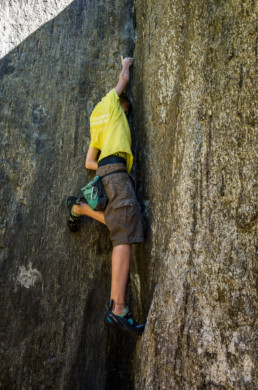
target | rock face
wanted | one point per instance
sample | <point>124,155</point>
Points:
<point>194,145</point>
<point>195,123</point>
<point>55,285</point>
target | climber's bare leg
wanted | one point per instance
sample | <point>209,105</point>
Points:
<point>84,209</point>
<point>120,260</point>
<point>120,269</point>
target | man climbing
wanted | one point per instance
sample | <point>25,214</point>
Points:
<point>110,151</point>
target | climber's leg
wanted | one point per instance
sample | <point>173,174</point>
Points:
<point>120,268</point>
<point>118,315</point>
<point>77,209</point>
<point>84,209</point>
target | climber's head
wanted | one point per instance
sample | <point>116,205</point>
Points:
<point>125,103</point>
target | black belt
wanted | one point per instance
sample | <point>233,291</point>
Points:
<point>111,160</point>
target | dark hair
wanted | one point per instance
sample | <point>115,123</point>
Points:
<point>124,99</point>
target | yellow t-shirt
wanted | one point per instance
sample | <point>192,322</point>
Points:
<point>110,132</point>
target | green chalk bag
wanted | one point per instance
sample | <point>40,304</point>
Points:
<point>95,194</point>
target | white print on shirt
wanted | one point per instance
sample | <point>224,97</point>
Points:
<point>99,120</point>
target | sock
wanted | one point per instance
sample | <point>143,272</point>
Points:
<point>123,313</point>
<point>119,315</point>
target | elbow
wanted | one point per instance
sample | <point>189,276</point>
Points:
<point>91,165</point>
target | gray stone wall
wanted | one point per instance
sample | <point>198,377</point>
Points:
<point>55,285</point>
<point>194,143</point>
<point>194,84</point>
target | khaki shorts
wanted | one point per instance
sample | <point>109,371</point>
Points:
<point>123,217</point>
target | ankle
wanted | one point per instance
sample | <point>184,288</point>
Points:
<point>118,308</point>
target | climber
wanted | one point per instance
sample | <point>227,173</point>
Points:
<point>109,151</point>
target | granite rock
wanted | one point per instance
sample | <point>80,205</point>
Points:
<point>194,141</point>
<point>194,86</point>
<point>55,284</point>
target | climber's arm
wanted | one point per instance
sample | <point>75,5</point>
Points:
<point>124,75</point>
<point>91,159</point>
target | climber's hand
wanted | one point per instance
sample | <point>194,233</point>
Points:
<point>127,61</point>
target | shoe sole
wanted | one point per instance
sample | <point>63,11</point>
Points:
<point>73,229</point>
<point>123,328</point>
<point>72,199</point>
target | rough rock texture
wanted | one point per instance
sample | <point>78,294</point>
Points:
<point>194,84</point>
<point>194,142</point>
<point>55,285</point>
<point>20,19</point>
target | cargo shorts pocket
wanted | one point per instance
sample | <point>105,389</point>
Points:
<point>119,191</point>
<point>123,203</point>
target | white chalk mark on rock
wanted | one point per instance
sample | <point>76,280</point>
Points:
<point>28,277</point>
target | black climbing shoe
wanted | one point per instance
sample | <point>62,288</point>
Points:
<point>74,222</point>
<point>125,322</point>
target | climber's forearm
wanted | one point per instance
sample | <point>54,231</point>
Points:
<point>124,75</point>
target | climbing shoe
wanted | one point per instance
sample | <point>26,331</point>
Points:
<point>74,221</point>
<point>125,321</point>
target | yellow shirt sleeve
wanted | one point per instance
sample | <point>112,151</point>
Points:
<point>94,142</point>
<point>111,98</point>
